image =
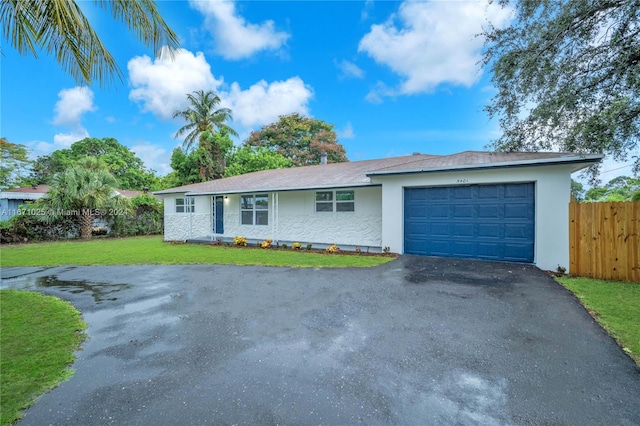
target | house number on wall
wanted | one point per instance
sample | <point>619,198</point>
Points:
<point>462,181</point>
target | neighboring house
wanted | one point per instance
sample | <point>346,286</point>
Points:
<point>12,199</point>
<point>484,205</point>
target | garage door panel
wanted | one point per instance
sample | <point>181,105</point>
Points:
<point>463,211</point>
<point>441,247</point>
<point>489,211</point>
<point>517,252</point>
<point>491,192</point>
<point>438,212</point>
<point>437,194</point>
<point>462,248</point>
<point>462,193</point>
<point>518,211</point>
<point>520,231</point>
<point>440,229</point>
<point>479,221</point>
<point>521,190</point>
<point>486,230</point>
<point>490,250</point>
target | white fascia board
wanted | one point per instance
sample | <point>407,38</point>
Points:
<point>309,188</point>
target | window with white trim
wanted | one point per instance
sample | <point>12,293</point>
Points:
<point>335,201</point>
<point>254,209</point>
<point>185,205</point>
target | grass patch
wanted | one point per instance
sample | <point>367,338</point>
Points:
<point>39,335</point>
<point>615,305</point>
<point>152,250</point>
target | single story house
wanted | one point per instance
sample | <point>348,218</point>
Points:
<point>508,206</point>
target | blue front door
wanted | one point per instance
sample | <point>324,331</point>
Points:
<point>218,214</point>
<point>493,222</point>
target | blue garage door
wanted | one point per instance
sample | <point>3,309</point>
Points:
<point>493,222</point>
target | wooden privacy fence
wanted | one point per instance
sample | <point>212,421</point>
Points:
<point>604,240</point>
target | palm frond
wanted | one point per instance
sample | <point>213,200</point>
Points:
<point>143,19</point>
<point>61,29</point>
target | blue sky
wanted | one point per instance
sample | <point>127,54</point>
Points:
<point>392,77</point>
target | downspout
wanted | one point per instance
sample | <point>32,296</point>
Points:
<point>212,206</point>
<point>190,216</point>
<point>277,215</point>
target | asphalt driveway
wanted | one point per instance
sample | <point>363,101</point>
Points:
<point>417,341</point>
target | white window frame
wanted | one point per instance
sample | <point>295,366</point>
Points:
<point>187,205</point>
<point>255,210</point>
<point>331,200</point>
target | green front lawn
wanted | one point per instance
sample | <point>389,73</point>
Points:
<point>152,250</point>
<point>615,305</point>
<point>39,335</point>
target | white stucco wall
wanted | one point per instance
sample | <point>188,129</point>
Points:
<point>297,220</point>
<point>184,226</point>
<point>552,196</point>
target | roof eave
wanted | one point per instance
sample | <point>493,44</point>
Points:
<point>585,161</point>
<point>22,195</point>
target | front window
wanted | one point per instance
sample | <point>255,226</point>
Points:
<point>345,201</point>
<point>324,201</point>
<point>185,205</point>
<point>254,209</point>
<point>338,201</point>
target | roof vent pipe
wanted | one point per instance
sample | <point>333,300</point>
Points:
<point>323,158</point>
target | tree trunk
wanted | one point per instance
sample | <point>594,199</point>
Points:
<point>86,225</point>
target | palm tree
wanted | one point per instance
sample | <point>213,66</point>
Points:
<point>202,116</point>
<point>84,190</point>
<point>59,28</point>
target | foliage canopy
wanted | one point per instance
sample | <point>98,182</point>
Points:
<point>300,139</point>
<point>13,162</point>
<point>567,74</point>
<point>126,167</point>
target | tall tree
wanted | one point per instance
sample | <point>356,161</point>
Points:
<point>61,29</point>
<point>211,154</point>
<point>13,162</point>
<point>127,168</point>
<point>83,190</point>
<point>202,115</point>
<point>300,139</point>
<point>185,169</point>
<point>567,74</point>
<point>247,159</point>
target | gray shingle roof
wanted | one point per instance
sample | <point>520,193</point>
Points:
<point>357,173</point>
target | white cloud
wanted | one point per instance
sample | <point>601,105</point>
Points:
<point>368,5</point>
<point>69,109</point>
<point>234,37</point>
<point>347,132</point>
<point>72,105</point>
<point>263,102</point>
<point>349,69</point>
<point>64,140</point>
<point>380,90</point>
<point>161,85</point>
<point>153,156</point>
<point>432,43</point>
